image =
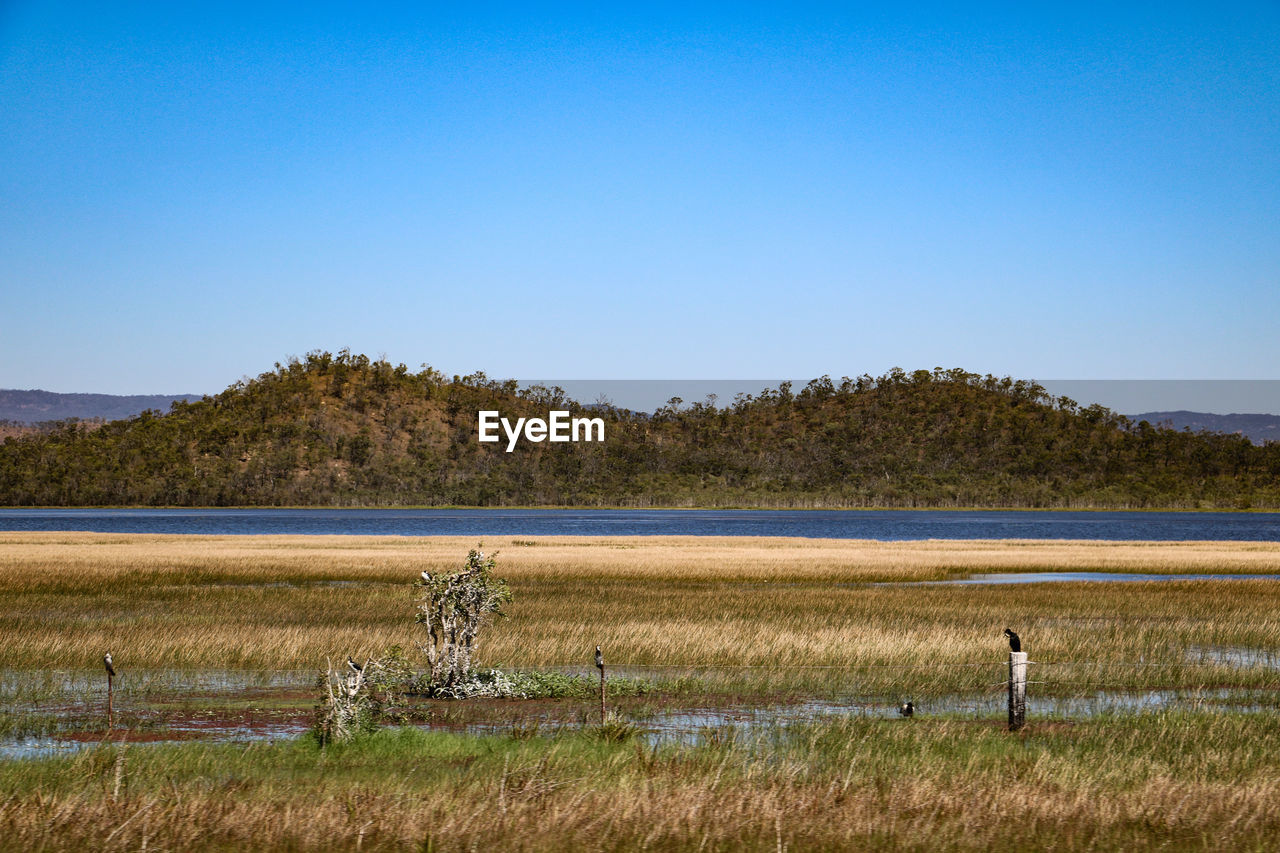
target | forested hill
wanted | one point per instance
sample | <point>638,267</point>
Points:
<point>344,430</point>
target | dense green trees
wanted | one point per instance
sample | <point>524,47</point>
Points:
<point>343,430</point>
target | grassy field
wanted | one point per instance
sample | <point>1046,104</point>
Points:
<point>1159,781</point>
<point>786,612</point>
<point>761,620</point>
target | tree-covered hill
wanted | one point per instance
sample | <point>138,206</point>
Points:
<point>344,430</point>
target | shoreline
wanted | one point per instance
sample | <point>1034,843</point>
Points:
<point>619,508</point>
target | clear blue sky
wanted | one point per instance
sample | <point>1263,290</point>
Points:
<point>191,193</point>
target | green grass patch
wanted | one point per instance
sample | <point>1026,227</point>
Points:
<point>1176,780</point>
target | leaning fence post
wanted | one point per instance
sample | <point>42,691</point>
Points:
<point>600,666</point>
<point>1017,690</point>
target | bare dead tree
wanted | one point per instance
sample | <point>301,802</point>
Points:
<point>345,707</point>
<point>453,608</point>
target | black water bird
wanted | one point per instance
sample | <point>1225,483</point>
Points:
<point>106,661</point>
<point>599,659</point>
<point>1014,643</point>
<point>908,709</point>
<point>354,666</point>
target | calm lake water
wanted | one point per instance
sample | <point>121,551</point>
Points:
<point>887,525</point>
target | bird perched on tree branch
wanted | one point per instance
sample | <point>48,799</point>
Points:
<point>355,667</point>
<point>1014,643</point>
<point>106,661</point>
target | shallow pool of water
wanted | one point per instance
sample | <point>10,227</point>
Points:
<point>19,686</point>
<point>39,747</point>
<point>691,726</point>
<point>1241,658</point>
<point>1069,577</point>
<point>695,725</point>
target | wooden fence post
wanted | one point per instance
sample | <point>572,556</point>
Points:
<point>600,666</point>
<point>1017,690</point>
<point>110,678</point>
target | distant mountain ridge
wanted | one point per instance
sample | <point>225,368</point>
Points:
<point>1256,428</point>
<point>35,406</point>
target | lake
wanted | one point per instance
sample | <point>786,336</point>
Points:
<point>885,525</point>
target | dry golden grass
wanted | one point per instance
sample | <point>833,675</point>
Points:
<point>1162,782</point>
<point>267,602</point>
<point>394,558</point>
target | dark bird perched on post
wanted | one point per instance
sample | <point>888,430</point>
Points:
<point>1015,644</point>
<point>106,661</point>
<point>354,666</point>
<point>908,709</point>
<point>599,658</point>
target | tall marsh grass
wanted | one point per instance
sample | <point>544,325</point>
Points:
<point>1162,781</point>
<point>768,614</point>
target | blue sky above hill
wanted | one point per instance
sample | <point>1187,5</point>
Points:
<point>191,194</point>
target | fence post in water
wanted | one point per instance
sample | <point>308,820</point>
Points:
<point>600,666</point>
<point>111,674</point>
<point>1017,690</point>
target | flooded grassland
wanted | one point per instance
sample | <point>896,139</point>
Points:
<point>759,681</point>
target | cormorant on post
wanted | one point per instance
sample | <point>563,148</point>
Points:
<point>1014,643</point>
<point>907,709</point>
<point>354,666</point>
<point>599,659</point>
<point>106,661</point>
